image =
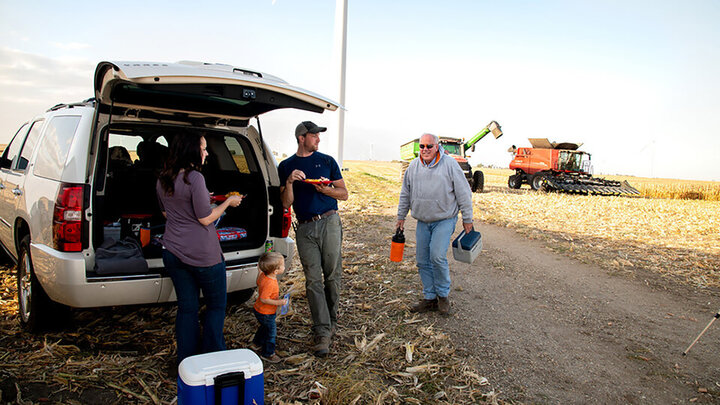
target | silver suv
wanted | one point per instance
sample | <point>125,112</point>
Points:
<point>80,174</point>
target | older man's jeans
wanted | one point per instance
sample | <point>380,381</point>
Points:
<point>433,240</point>
<point>188,282</point>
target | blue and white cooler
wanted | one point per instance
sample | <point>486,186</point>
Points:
<point>467,247</point>
<point>227,377</point>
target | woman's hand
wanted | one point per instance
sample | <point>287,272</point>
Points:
<point>232,201</point>
<point>235,200</point>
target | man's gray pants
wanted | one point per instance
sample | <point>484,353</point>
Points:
<point>319,245</point>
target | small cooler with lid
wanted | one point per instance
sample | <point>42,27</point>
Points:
<point>467,247</point>
<point>226,377</point>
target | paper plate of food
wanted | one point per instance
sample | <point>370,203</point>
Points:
<point>321,180</point>
<point>221,198</point>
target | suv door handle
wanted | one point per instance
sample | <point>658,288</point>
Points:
<point>17,191</point>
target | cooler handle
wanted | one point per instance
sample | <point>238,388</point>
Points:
<point>228,380</point>
<point>459,239</point>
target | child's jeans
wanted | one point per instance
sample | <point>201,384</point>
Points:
<point>266,333</point>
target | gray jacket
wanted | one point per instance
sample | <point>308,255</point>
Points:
<point>435,193</point>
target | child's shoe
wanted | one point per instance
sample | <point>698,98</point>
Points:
<point>274,358</point>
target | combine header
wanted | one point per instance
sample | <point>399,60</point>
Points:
<point>560,167</point>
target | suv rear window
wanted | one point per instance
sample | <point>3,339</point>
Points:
<point>55,146</point>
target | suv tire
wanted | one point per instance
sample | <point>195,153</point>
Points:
<point>37,311</point>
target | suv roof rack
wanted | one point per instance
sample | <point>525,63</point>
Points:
<point>87,102</point>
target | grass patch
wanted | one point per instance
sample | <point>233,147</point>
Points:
<point>379,178</point>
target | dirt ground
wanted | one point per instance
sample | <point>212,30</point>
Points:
<point>547,329</point>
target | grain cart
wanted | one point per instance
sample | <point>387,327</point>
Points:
<point>459,150</point>
<point>553,166</point>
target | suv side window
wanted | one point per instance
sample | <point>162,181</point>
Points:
<point>238,155</point>
<point>122,151</point>
<point>13,148</point>
<point>29,146</point>
<point>55,146</point>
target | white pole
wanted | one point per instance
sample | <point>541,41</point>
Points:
<point>342,7</point>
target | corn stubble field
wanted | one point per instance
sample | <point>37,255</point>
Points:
<point>382,353</point>
<point>671,236</point>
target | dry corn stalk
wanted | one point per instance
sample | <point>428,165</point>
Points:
<point>409,349</point>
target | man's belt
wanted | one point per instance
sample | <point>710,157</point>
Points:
<point>318,217</point>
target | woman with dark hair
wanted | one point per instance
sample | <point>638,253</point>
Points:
<point>192,254</point>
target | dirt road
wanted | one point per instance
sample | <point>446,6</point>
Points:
<point>547,329</point>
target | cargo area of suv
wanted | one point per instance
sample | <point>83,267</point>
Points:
<point>125,200</point>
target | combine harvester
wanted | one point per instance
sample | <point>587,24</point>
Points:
<point>552,166</point>
<point>459,150</point>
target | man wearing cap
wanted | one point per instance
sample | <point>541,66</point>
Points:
<point>435,190</point>
<point>319,231</point>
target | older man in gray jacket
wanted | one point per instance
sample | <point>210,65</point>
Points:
<point>434,190</point>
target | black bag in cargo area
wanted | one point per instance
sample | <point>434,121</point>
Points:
<point>120,257</point>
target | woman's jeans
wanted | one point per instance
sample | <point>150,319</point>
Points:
<point>433,240</point>
<point>266,333</point>
<point>188,282</point>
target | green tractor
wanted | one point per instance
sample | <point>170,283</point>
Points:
<point>458,149</point>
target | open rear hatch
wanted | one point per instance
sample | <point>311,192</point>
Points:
<point>194,91</point>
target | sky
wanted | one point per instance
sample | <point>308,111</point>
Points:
<point>636,82</point>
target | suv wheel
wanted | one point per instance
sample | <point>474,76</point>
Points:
<point>36,309</point>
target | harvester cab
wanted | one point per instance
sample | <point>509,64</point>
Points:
<point>574,161</point>
<point>459,149</point>
<point>553,166</point>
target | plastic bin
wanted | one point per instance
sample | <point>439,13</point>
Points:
<point>112,231</point>
<point>466,248</point>
<point>235,376</point>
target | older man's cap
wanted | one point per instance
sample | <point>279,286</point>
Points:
<point>308,127</point>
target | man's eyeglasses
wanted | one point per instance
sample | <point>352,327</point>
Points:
<point>428,146</point>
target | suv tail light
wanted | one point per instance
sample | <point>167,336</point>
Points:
<point>286,222</point>
<point>68,218</point>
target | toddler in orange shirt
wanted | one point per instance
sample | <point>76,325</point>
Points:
<point>270,264</point>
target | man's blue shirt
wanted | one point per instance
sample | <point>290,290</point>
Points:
<point>308,202</point>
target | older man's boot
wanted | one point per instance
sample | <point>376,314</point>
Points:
<point>443,305</point>
<point>425,305</point>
